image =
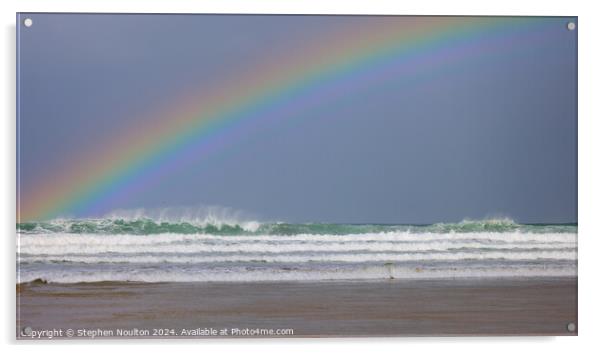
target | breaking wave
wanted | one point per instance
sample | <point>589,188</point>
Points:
<point>143,224</point>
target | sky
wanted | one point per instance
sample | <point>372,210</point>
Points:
<point>488,133</point>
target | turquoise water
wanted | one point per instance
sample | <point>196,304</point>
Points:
<point>149,226</point>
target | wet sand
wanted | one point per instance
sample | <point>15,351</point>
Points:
<point>453,307</point>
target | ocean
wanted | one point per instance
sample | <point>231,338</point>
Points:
<point>148,250</point>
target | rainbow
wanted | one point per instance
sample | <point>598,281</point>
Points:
<point>195,124</point>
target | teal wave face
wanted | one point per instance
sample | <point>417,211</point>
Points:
<point>149,226</point>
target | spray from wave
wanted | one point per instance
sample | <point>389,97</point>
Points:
<point>201,216</point>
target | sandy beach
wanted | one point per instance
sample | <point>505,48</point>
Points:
<point>526,306</point>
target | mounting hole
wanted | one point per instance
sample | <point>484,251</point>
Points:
<point>28,22</point>
<point>571,26</point>
<point>571,327</point>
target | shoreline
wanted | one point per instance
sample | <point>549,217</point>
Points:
<point>43,282</point>
<point>398,307</point>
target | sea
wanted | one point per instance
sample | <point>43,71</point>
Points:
<point>152,250</point>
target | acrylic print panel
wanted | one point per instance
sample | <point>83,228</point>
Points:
<point>277,176</point>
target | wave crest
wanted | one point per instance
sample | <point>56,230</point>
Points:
<point>201,216</point>
<point>485,225</point>
<point>147,226</point>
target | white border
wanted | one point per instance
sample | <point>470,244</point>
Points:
<point>590,148</point>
